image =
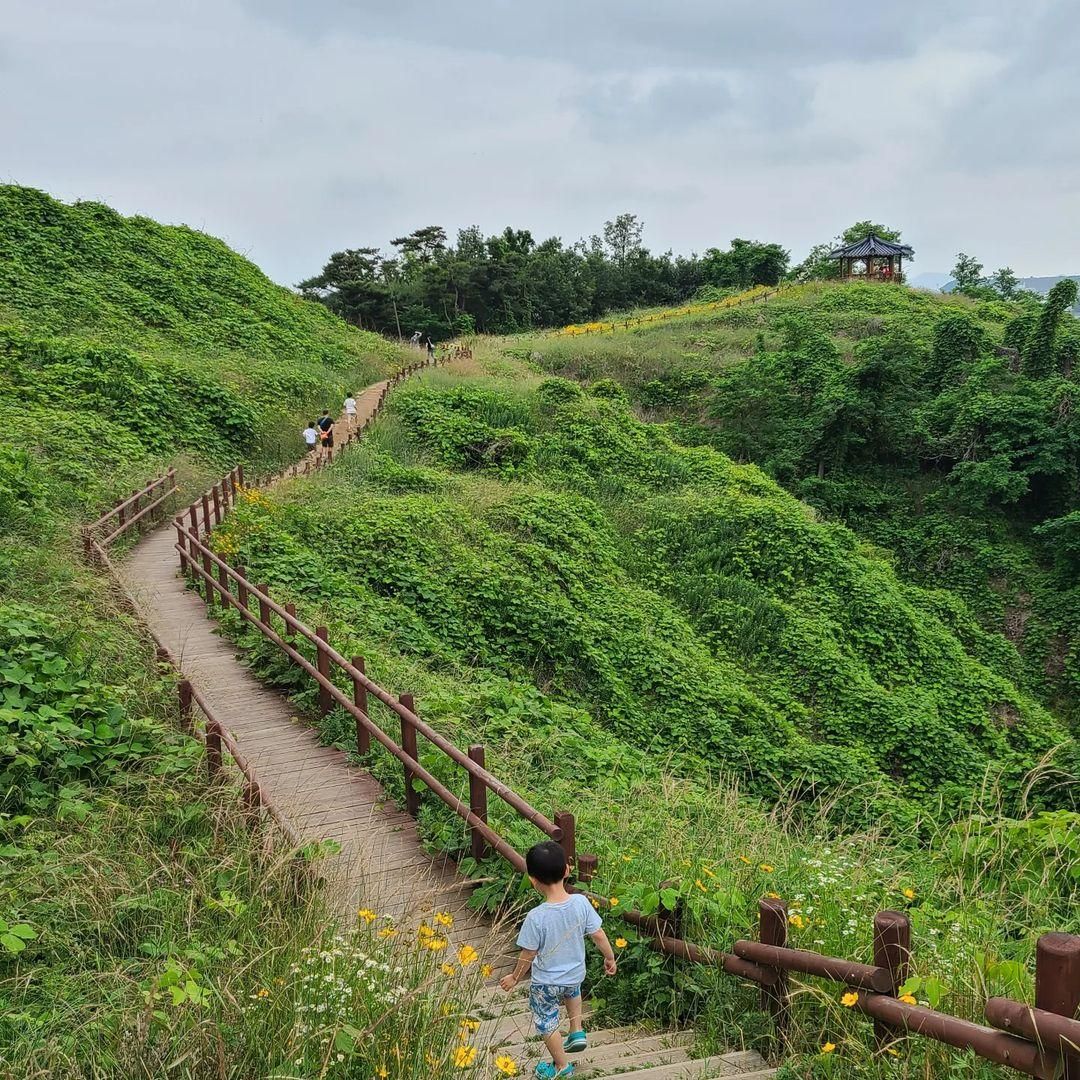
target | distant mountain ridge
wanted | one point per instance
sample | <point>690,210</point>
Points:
<point>944,283</point>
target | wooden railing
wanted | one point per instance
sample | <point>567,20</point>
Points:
<point>139,508</point>
<point>229,587</point>
<point>1041,1041</point>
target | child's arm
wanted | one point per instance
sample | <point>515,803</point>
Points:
<point>600,940</point>
<point>521,969</point>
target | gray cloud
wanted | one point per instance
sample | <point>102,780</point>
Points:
<point>293,129</point>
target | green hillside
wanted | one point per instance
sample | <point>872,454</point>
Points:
<point>139,915</point>
<point>731,693</point>
<point>893,411</point>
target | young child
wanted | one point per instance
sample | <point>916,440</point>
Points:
<point>311,435</point>
<point>552,943</point>
<point>350,411</point>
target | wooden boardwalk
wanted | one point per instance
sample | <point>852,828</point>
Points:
<point>382,865</point>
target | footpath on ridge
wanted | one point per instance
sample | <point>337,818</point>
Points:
<point>382,864</point>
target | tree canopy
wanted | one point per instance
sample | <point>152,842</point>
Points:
<point>510,282</point>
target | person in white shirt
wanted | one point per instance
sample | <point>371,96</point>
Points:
<point>350,410</point>
<point>311,436</point>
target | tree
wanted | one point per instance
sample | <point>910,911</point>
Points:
<point>422,245</point>
<point>1038,355</point>
<point>746,263</point>
<point>958,343</point>
<point>1005,281</point>
<point>967,273</point>
<point>861,229</point>
<point>623,236</point>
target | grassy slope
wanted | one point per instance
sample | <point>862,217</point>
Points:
<point>691,372</point>
<point>126,345</point>
<point>617,617</point>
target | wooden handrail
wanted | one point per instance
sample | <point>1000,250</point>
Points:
<point>168,481</point>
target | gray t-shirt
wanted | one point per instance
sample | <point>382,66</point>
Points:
<point>557,933</point>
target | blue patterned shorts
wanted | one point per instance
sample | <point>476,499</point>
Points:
<point>544,1001</point>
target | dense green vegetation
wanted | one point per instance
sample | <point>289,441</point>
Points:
<point>144,929</point>
<point>509,282</point>
<point>892,411</point>
<point>666,642</point>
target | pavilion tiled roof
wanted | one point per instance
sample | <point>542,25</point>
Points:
<point>870,245</point>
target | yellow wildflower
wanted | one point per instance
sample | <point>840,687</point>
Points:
<point>470,1025</point>
<point>707,872</point>
<point>620,943</point>
<point>828,1048</point>
<point>744,859</point>
<point>467,955</point>
<point>909,893</point>
<point>614,901</point>
<point>797,921</point>
<point>436,944</point>
<point>908,999</point>
<point>464,1056</point>
<point>772,896</point>
<point>264,993</point>
<point>697,882</point>
<point>443,918</point>
<point>890,1050</point>
<point>381,1072</point>
<point>595,904</point>
<point>766,868</point>
<point>486,970</point>
<point>506,1065</point>
<point>849,999</point>
<point>448,969</point>
<point>425,931</point>
<point>387,931</point>
<point>625,858</point>
<point>367,915</point>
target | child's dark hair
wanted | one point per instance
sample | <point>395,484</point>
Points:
<point>546,862</point>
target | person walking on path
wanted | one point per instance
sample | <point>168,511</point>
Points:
<point>552,943</point>
<point>350,411</point>
<point>311,436</point>
<point>430,349</point>
<point>326,430</point>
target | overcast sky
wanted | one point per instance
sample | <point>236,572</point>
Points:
<point>293,129</point>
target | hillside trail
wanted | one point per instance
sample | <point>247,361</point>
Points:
<point>382,864</point>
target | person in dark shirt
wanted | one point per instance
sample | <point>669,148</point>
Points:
<point>326,429</point>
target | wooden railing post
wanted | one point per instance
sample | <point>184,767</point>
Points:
<point>586,868</point>
<point>206,515</point>
<point>671,919</point>
<point>223,581</point>
<point>772,930</point>
<point>264,607</point>
<point>1057,986</point>
<point>217,504</point>
<point>239,475</point>
<point>477,803</point>
<point>185,694</point>
<point>322,664</point>
<point>213,749</point>
<point>408,744</point>
<point>208,579</point>
<point>359,696</point>
<point>242,587</point>
<point>181,542</point>
<point>193,520</point>
<point>892,950</point>
<point>565,822</point>
<point>290,626</point>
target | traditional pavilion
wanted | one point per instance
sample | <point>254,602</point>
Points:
<point>881,260</point>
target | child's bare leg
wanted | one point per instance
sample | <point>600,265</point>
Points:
<point>558,1055</point>
<point>573,1010</point>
